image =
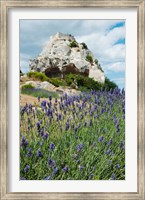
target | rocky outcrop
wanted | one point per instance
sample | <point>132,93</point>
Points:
<point>63,55</point>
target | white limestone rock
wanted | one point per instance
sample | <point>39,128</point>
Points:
<point>63,50</point>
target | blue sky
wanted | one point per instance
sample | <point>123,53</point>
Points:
<point>105,38</point>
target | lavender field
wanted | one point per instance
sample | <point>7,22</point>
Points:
<point>74,137</point>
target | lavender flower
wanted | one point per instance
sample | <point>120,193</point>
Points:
<point>91,122</point>
<point>38,153</point>
<point>81,167</point>
<point>100,139</point>
<point>67,126</point>
<point>65,169</point>
<point>110,142</point>
<point>78,161</point>
<point>38,125</point>
<point>121,145</point>
<point>91,176</point>
<point>43,104</point>
<point>113,177</point>
<point>55,171</point>
<point>52,146</point>
<point>26,169</point>
<point>45,136</point>
<point>79,147</point>
<point>23,178</point>
<point>24,142</point>
<point>74,156</point>
<point>108,151</point>
<point>117,166</point>
<point>29,154</point>
<point>51,162</point>
<point>48,178</point>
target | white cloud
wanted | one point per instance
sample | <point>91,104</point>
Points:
<point>24,62</point>
<point>115,66</point>
<point>105,50</point>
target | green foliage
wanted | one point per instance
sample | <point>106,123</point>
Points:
<point>86,83</point>
<point>109,84</point>
<point>84,45</point>
<point>89,58</point>
<point>38,92</point>
<point>73,44</point>
<point>57,82</point>
<point>38,75</point>
<point>27,86</point>
<point>83,83</point>
<point>96,62</point>
<point>99,67</point>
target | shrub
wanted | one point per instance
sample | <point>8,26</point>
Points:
<point>27,86</point>
<point>83,83</point>
<point>38,75</point>
<point>109,84</point>
<point>73,44</point>
<point>84,45</point>
<point>57,82</point>
<point>86,83</point>
<point>96,62</point>
<point>99,67</point>
<point>89,58</point>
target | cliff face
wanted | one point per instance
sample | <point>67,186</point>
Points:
<point>63,55</point>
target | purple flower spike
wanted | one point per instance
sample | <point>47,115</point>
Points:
<point>65,169</point>
<point>108,151</point>
<point>113,177</point>
<point>43,103</point>
<point>38,153</point>
<point>23,178</point>
<point>45,136</point>
<point>67,126</point>
<point>81,167</point>
<point>55,171</point>
<point>100,139</point>
<point>51,162</point>
<point>79,147</point>
<point>117,166</point>
<point>24,142</point>
<point>48,178</point>
<point>91,176</point>
<point>29,154</point>
<point>26,169</point>
<point>52,146</point>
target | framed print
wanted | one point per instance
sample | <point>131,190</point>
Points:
<point>72,99</point>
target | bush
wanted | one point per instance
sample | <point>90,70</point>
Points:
<point>38,75</point>
<point>84,45</point>
<point>96,62</point>
<point>86,83</point>
<point>109,84</point>
<point>89,58</point>
<point>73,44</point>
<point>83,83</point>
<point>27,86</point>
<point>99,67</point>
<point>57,82</point>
